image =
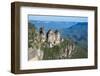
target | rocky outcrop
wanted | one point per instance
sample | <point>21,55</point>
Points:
<point>49,45</point>
<point>52,37</point>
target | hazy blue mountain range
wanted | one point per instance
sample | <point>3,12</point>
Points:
<point>52,25</point>
<point>78,33</point>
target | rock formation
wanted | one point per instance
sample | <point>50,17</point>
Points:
<point>52,37</point>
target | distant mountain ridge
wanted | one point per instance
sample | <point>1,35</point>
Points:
<point>52,24</point>
<point>78,33</point>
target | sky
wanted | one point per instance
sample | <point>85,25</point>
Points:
<point>58,18</point>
